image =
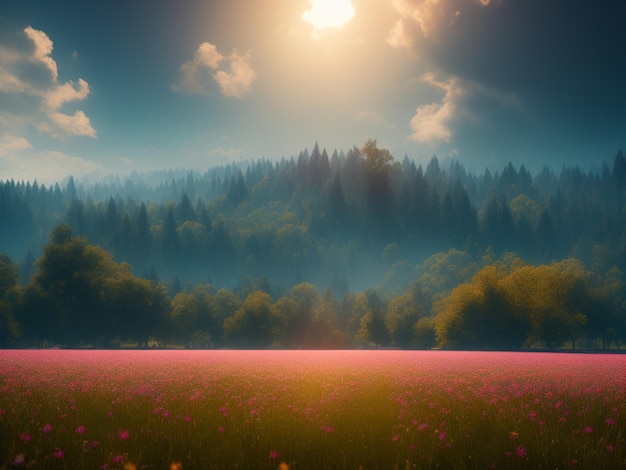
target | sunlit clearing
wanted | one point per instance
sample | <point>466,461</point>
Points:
<point>329,13</point>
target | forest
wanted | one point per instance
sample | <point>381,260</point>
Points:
<point>355,249</point>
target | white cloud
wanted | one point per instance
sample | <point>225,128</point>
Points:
<point>464,102</point>
<point>76,124</point>
<point>56,97</point>
<point>427,14</point>
<point>33,75</point>
<point>43,49</point>
<point>10,143</point>
<point>20,161</point>
<point>233,74</point>
<point>208,56</point>
<point>431,123</point>
<point>238,80</point>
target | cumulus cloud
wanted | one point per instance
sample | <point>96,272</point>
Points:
<point>426,14</point>
<point>238,80</point>
<point>432,122</point>
<point>233,74</point>
<point>32,75</point>
<point>464,105</point>
<point>207,56</point>
<point>76,124</point>
<point>66,92</point>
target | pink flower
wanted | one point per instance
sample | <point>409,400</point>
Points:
<point>46,428</point>
<point>395,438</point>
<point>610,448</point>
<point>25,437</point>
<point>123,433</point>
<point>221,429</point>
<point>274,454</point>
<point>187,418</point>
<point>58,454</point>
<point>520,451</point>
<point>610,421</point>
<point>329,429</point>
<point>80,429</point>
<point>117,459</point>
<point>442,435</point>
<point>588,429</point>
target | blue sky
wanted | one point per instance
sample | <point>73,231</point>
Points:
<point>116,86</point>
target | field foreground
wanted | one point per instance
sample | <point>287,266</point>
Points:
<point>311,409</point>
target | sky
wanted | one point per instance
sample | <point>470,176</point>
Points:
<point>122,85</point>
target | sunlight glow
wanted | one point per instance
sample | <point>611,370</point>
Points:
<point>329,13</point>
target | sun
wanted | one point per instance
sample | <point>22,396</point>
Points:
<point>329,13</point>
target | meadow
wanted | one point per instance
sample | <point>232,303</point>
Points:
<point>311,410</point>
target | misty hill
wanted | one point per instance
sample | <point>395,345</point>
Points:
<point>345,220</point>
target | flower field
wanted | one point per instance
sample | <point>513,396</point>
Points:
<point>311,410</point>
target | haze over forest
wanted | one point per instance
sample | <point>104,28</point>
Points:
<point>347,250</point>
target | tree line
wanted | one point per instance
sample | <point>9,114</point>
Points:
<point>79,297</point>
<point>349,222</point>
<point>319,219</point>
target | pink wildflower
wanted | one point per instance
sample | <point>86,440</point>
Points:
<point>25,437</point>
<point>610,421</point>
<point>610,448</point>
<point>274,454</point>
<point>521,451</point>
<point>46,428</point>
<point>442,435</point>
<point>221,429</point>
<point>395,438</point>
<point>58,454</point>
<point>123,433</point>
<point>117,459</point>
<point>588,429</point>
<point>80,429</point>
